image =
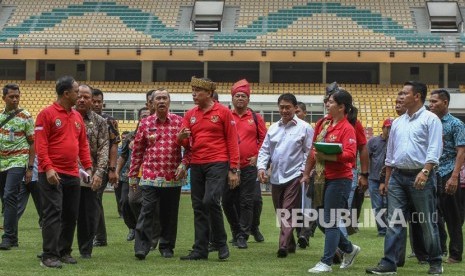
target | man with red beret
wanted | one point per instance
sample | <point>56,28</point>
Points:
<point>238,202</point>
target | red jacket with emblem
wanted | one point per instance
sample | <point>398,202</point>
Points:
<point>61,140</point>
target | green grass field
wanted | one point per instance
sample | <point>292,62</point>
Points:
<point>259,259</point>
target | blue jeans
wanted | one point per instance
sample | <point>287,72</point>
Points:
<point>378,202</point>
<point>401,194</point>
<point>10,181</point>
<point>350,199</point>
<point>336,193</point>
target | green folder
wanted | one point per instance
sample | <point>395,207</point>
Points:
<point>328,148</point>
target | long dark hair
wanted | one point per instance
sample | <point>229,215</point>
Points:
<point>344,97</point>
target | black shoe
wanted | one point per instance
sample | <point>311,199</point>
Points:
<point>193,256</point>
<point>223,252</point>
<point>51,263</point>
<point>282,253</point>
<point>241,242</point>
<point>303,242</point>
<point>131,235</point>
<point>86,256</point>
<point>5,245</point>
<point>68,259</point>
<point>140,255</point>
<point>99,243</point>
<point>435,269</point>
<point>381,270</point>
<point>258,236</point>
<point>167,253</point>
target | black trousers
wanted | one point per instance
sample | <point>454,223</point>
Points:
<point>207,185</point>
<point>257,208</point>
<point>238,203</point>
<point>101,234</point>
<point>60,207</point>
<point>87,220</point>
<point>168,201</point>
<point>119,208</point>
<point>135,203</point>
<point>128,215</point>
<point>450,206</point>
<point>33,189</point>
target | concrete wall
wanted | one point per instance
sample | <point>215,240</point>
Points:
<point>428,73</point>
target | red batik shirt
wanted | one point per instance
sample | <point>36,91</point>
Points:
<point>156,150</point>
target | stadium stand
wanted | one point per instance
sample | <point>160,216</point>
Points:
<point>375,102</point>
<point>270,24</point>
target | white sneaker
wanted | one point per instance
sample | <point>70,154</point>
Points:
<point>348,258</point>
<point>320,268</point>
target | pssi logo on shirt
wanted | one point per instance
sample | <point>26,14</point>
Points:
<point>78,125</point>
<point>352,141</point>
<point>58,123</point>
<point>215,119</point>
<point>250,121</point>
<point>332,138</point>
<point>193,120</point>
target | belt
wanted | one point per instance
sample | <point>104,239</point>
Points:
<point>409,171</point>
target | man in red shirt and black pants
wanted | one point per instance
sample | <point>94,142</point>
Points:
<point>210,131</point>
<point>60,141</point>
<point>238,203</point>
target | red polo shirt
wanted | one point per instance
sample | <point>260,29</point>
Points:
<point>359,134</point>
<point>249,140</point>
<point>343,132</point>
<point>60,140</point>
<point>213,135</point>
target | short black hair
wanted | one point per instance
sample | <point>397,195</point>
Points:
<point>63,84</point>
<point>302,106</point>
<point>443,94</point>
<point>10,86</point>
<point>140,111</point>
<point>215,96</point>
<point>148,95</point>
<point>97,92</point>
<point>289,97</point>
<point>418,87</point>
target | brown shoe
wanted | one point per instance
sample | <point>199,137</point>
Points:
<point>452,261</point>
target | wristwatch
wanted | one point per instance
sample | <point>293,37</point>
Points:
<point>111,169</point>
<point>234,170</point>
<point>365,174</point>
<point>425,172</point>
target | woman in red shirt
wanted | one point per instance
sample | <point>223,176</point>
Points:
<point>337,172</point>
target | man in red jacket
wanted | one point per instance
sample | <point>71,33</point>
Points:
<point>209,130</point>
<point>238,203</point>
<point>60,142</point>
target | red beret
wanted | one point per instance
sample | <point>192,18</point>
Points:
<point>241,86</point>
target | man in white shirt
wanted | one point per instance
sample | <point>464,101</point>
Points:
<point>286,146</point>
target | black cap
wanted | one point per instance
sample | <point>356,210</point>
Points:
<point>331,88</point>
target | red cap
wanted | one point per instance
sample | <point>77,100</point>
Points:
<point>241,86</point>
<point>387,122</point>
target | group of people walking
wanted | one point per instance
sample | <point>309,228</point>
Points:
<point>412,168</point>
